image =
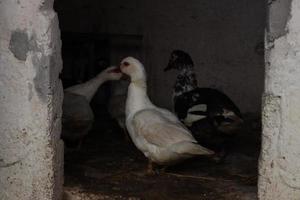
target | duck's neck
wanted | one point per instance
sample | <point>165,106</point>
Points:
<point>185,82</point>
<point>137,98</point>
<point>89,88</point>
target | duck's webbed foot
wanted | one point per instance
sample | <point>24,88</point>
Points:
<point>150,170</point>
<point>220,156</point>
<point>154,169</point>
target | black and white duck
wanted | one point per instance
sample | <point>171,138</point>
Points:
<point>211,115</point>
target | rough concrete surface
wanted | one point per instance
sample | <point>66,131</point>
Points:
<point>31,153</point>
<point>279,162</point>
<point>19,44</point>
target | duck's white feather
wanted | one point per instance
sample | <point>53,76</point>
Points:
<point>155,131</point>
<point>162,140</point>
<point>90,87</point>
<point>87,89</point>
<point>191,118</point>
<point>78,116</point>
<point>158,129</point>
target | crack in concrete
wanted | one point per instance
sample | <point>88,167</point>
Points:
<point>271,1</point>
<point>6,165</point>
<point>282,175</point>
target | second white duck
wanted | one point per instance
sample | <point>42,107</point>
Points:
<point>78,116</point>
<point>155,131</point>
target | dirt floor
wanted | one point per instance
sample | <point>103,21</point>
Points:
<point>109,167</point>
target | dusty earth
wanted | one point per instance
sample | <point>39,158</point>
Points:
<point>108,166</point>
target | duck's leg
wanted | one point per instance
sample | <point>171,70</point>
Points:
<point>159,170</point>
<point>220,156</point>
<point>150,168</point>
<point>154,169</point>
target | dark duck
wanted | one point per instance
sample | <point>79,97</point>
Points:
<point>211,115</point>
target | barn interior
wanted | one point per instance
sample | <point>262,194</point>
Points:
<point>225,39</point>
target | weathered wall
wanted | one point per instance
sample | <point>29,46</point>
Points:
<point>31,153</point>
<point>109,16</point>
<point>221,36</point>
<point>280,156</point>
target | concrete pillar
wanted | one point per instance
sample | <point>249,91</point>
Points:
<point>279,174</point>
<point>31,152</point>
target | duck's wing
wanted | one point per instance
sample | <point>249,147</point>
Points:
<point>167,114</point>
<point>158,130</point>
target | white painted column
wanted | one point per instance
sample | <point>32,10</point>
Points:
<point>31,152</point>
<point>280,156</point>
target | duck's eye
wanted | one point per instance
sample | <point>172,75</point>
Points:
<point>126,64</point>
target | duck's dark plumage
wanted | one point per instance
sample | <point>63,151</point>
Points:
<point>209,113</point>
<point>215,100</point>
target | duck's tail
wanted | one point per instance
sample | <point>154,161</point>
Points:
<point>191,148</point>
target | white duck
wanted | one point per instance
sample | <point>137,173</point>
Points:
<point>155,131</point>
<point>78,116</point>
